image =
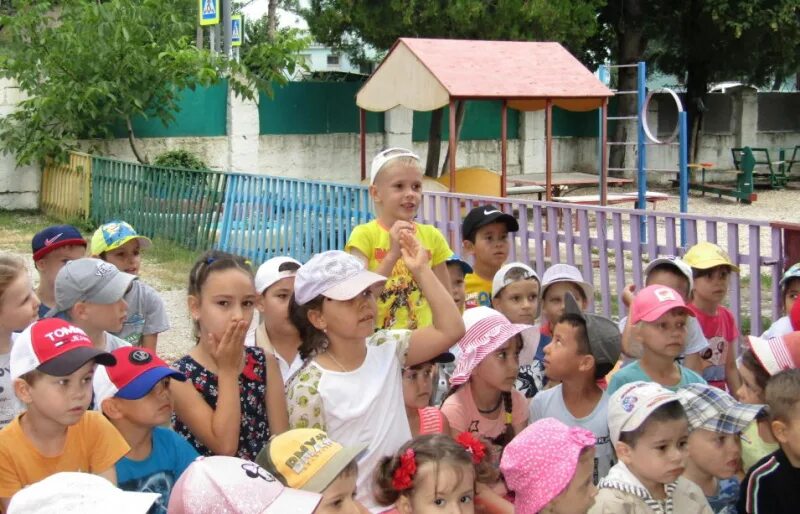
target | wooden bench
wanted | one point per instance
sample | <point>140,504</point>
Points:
<point>771,172</point>
<point>743,189</point>
<point>651,197</point>
<point>526,190</point>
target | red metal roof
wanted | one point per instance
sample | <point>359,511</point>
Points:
<point>505,69</point>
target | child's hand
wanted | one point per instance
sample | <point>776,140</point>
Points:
<point>229,350</point>
<point>627,294</point>
<point>414,255</point>
<point>395,233</point>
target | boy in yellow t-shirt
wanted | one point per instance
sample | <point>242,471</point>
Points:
<point>396,190</point>
<point>52,363</point>
<point>485,233</point>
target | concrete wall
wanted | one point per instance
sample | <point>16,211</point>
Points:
<point>335,157</point>
<point>19,186</point>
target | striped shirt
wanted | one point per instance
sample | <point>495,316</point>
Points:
<point>770,487</point>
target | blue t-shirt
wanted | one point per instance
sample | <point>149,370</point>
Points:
<point>43,310</point>
<point>171,455</point>
<point>634,372</point>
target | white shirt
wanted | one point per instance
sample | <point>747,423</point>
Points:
<point>781,327</point>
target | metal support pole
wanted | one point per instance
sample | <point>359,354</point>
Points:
<point>503,147</point>
<point>604,153</point>
<point>683,161</point>
<point>641,148</point>
<point>225,19</point>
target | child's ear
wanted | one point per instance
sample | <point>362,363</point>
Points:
<point>193,303</point>
<point>261,301</point>
<point>586,362</point>
<point>495,302</point>
<point>623,452</point>
<point>317,319</point>
<point>110,408</point>
<point>78,311</point>
<point>467,246</point>
<point>403,505</point>
<point>779,429</point>
<point>23,391</point>
<point>373,193</point>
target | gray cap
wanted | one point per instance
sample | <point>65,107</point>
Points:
<point>605,340</point>
<point>89,280</point>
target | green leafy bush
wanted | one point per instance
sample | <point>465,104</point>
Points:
<point>180,159</point>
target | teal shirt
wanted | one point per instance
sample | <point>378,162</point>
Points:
<point>634,372</point>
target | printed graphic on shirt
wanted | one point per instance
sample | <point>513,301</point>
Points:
<point>401,293</point>
<point>160,483</point>
<point>714,359</point>
<point>481,298</point>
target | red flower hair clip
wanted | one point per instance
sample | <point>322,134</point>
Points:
<point>403,477</point>
<point>472,445</point>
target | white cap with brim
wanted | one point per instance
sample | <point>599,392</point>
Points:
<point>89,280</point>
<point>272,271</point>
<point>334,274</point>
<point>83,493</point>
<point>565,273</point>
<point>633,403</point>
<point>675,262</point>
<point>380,160</point>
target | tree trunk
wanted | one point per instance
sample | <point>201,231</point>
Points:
<point>434,143</point>
<point>132,141</point>
<point>630,50</point>
<point>460,108</point>
<point>272,19</point>
<point>696,89</point>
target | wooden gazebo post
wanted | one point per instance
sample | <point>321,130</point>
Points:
<point>503,146</point>
<point>362,136</point>
<point>452,145</point>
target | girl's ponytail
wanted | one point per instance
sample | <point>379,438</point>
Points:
<point>508,418</point>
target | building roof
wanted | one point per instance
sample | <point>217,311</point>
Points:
<point>424,74</point>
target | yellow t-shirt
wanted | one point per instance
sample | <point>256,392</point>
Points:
<point>401,304</point>
<point>92,445</point>
<point>478,291</point>
<point>753,447</point>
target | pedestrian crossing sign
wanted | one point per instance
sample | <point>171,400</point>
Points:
<point>209,12</point>
<point>236,30</point>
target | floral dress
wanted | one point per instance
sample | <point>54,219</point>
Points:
<point>254,430</point>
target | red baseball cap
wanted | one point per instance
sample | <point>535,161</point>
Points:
<point>55,347</point>
<point>137,371</point>
<point>653,301</point>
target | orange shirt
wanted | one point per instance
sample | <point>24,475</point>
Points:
<point>93,445</point>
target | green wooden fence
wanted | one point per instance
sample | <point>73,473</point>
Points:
<point>180,205</point>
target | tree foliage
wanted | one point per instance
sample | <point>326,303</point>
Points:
<point>86,66</point>
<point>347,24</point>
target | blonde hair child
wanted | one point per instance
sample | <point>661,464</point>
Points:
<point>396,190</point>
<point>19,307</point>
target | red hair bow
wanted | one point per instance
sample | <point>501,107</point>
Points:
<point>403,477</point>
<point>472,445</point>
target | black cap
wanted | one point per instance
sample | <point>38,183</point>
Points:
<point>482,216</point>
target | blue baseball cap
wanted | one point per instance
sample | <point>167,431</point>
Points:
<point>137,371</point>
<point>50,238</point>
<point>114,234</point>
<point>464,265</point>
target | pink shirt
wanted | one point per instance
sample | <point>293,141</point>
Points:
<point>462,414</point>
<point>723,336</point>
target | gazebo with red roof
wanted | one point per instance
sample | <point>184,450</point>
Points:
<point>426,74</point>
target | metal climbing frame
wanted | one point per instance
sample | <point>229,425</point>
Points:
<point>645,138</point>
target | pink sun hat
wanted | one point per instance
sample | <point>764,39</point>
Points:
<point>486,331</point>
<point>539,463</point>
<point>654,301</point>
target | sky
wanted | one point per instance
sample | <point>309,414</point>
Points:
<point>258,8</point>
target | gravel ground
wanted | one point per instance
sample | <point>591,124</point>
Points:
<point>771,205</point>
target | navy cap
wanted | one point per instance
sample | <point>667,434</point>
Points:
<point>47,240</point>
<point>483,215</point>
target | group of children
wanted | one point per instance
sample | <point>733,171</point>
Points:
<point>392,376</point>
